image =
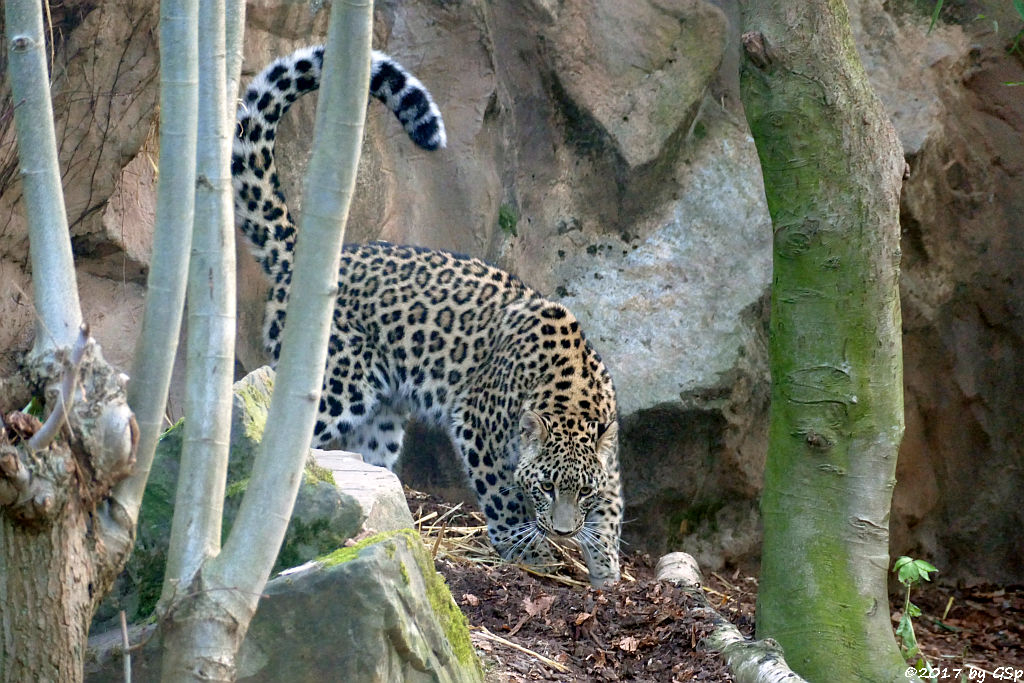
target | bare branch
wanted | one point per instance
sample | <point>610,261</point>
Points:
<point>66,397</point>
<point>751,661</point>
<point>53,268</point>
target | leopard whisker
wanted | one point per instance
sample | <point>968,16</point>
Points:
<point>525,535</point>
<point>592,544</point>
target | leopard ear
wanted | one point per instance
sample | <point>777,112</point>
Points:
<point>607,440</point>
<point>533,427</point>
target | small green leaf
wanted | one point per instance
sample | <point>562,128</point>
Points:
<point>908,574</point>
<point>913,610</point>
<point>935,15</point>
<point>1019,6</point>
<point>905,632</point>
<point>924,569</point>
<point>34,408</point>
<point>911,571</point>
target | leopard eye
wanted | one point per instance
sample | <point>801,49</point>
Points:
<point>547,487</point>
<point>586,490</point>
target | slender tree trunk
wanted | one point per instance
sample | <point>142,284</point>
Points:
<point>195,631</point>
<point>832,170</point>
<point>155,350</point>
<point>56,296</point>
<point>208,614</point>
<point>61,545</point>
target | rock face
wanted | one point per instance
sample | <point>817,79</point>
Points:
<point>962,214</point>
<point>598,150</point>
<point>632,67</point>
<point>377,491</point>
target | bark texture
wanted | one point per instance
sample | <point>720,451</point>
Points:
<point>61,542</point>
<point>832,168</point>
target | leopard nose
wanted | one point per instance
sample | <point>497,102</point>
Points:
<point>563,518</point>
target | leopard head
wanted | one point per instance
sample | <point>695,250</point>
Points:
<point>563,468</point>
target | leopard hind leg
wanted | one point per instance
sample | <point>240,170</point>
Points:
<point>358,416</point>
<point>379,438</point>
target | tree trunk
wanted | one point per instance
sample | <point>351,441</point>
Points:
<point>52,607</point>
<point>61,541</point>
<point>832,168</point>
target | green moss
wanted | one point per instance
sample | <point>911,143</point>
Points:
<point>404,571</point>
<point>352,552</point>
<point>452,620</point>
<point>314,473</point>
<point>236,488</point>
<point>300,537</point>
<point>180,424</point>
<point>257,405</point>
<point>148,574</point>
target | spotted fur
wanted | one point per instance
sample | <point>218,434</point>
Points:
<point>451,340</point>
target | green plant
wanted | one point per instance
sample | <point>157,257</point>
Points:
<point>935,17</point>
<point>911,572</point>
<point>1019,6</point>
<point>507,220</point>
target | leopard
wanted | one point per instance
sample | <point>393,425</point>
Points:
<point>447,339</point>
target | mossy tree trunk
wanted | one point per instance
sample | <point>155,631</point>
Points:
<point>832,168</point>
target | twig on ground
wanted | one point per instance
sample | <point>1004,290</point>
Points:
<point>127,649</point>
<point>483,632</point>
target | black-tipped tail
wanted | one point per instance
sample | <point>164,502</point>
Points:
<point>409,99</point>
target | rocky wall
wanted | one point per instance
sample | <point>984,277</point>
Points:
<point>598,149</point>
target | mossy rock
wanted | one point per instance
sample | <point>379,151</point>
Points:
<point>383,598</point>
<point>323,519</point>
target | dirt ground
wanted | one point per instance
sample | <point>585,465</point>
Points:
<point>535,628</point>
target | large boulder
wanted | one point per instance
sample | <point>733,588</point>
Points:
<point>639,70</point>
<point>324,517</point>
<point>376,612</point>
<point>376,490</point>
<point>393,613</point>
